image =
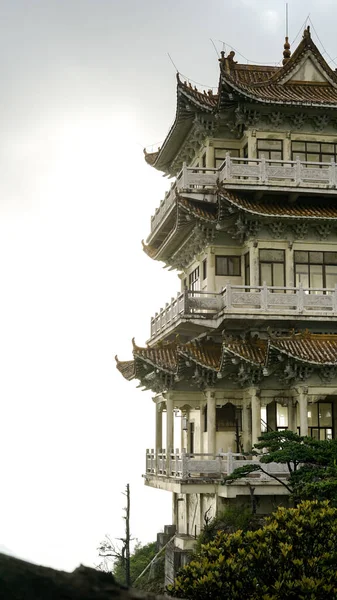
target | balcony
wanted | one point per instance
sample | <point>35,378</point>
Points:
<point>182,466</point>
<point>250,174</point>
<point>198,308</point>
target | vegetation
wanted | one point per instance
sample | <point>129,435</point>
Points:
<point>312,464</point>
<point>153,579</point>
<point>230,520</point>
<point>293,556</point>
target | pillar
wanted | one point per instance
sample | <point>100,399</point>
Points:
<point>169,431</point>
<point>303,404</point>
<point>211,285</point>
<point>159,428</point>
<point>254,265</point>
<point>289,267</point>
<point>211,421</point>
<point>210,162</point>
<point>256,414</point>
<point>292,421</point>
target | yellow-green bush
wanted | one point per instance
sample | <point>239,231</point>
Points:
<point>294,556</point>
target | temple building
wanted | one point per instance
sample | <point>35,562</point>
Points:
<point>249,343</point>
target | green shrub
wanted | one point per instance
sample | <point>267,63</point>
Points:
<point>293,556</point>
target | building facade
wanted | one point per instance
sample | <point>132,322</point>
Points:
<point>249,343</point>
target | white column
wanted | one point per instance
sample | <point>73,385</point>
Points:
<point>159,428</point>
<point>256,414</point>
<point>254,265</point>
<point>292,424</point>
<point>289,267</point>
<point>210,164</point>
<point>211,421</point>
<point>303,403</point>
<point>211,285</point>
<point>169,424</point>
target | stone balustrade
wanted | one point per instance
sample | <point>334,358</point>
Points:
<point>181,465</point>
<point>249,172</point>
<point>243,299</point>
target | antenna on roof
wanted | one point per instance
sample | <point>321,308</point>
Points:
<point>168,54</point>
<point>286,47</point>
<point>287,21</point>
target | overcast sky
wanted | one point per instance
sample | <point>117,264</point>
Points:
<point>85,85</point>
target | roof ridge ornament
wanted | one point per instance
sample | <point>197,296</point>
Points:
<point>286,51</point>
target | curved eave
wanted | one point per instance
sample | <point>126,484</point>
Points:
<point>189,103</point>
<point>181,228</point>
<point>242,92</point>
<point>317,214</point>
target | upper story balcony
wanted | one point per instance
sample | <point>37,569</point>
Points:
<point>250,174</point>
<point>183,466</point>
<point>192,312</point>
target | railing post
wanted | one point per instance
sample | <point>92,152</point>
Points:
<point>264,296</point>
<point>186,308</point>
<point>230,461</point>
<point>298,175</point>
<point>228,295</point>
<point>183,464</point>
<point>227,169</point>
<point>334,300</point>
<point>263,171</point>
<point>332,174</point>
<point>300,303</point>
<point>184,181</point>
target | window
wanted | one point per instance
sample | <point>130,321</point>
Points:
<point>193,280</point>
<point>247,269</point>
<point>315,269</point>
<point>228,265</point>
<point>204,269</point>
<point>203,160</point>
<point>314,151</point>
<point>270,149</point>
<point>220,155</point>
<point>272,267</point>
<point>320,420</point>
<point>228,418</point>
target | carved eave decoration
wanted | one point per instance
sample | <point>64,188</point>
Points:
<point>201,363</point>
<point>193,227</point>
<point>193,121</point>
<point>243,217</point>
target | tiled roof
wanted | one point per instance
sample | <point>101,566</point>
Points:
<point>251,351</point>
<point>275,84</point>
<point>151,157</point>
<point>314,349</point>
<point>162,356</point>
<point>247,74</point>
<point>126,368</point>
<point>309,348</point>
<point>200,210</point>
<point>205,99</point>
<point>205,354</point>
<point>308,209</point>
<point>299,93</point>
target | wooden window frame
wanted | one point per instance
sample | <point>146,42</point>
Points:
<point>323,264</point>
<point>295,153</point>
<point>227,256</point>
<point>267,151</point>
<point>193,278</point>
<point>279,262</point>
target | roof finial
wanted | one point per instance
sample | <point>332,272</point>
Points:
<point>286,51</point>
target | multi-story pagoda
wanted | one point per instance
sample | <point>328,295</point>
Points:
<point>250,224</point>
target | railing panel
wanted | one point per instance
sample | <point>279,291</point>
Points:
<point>235,299</point>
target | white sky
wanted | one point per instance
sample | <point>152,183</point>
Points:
<point>85,85</point>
